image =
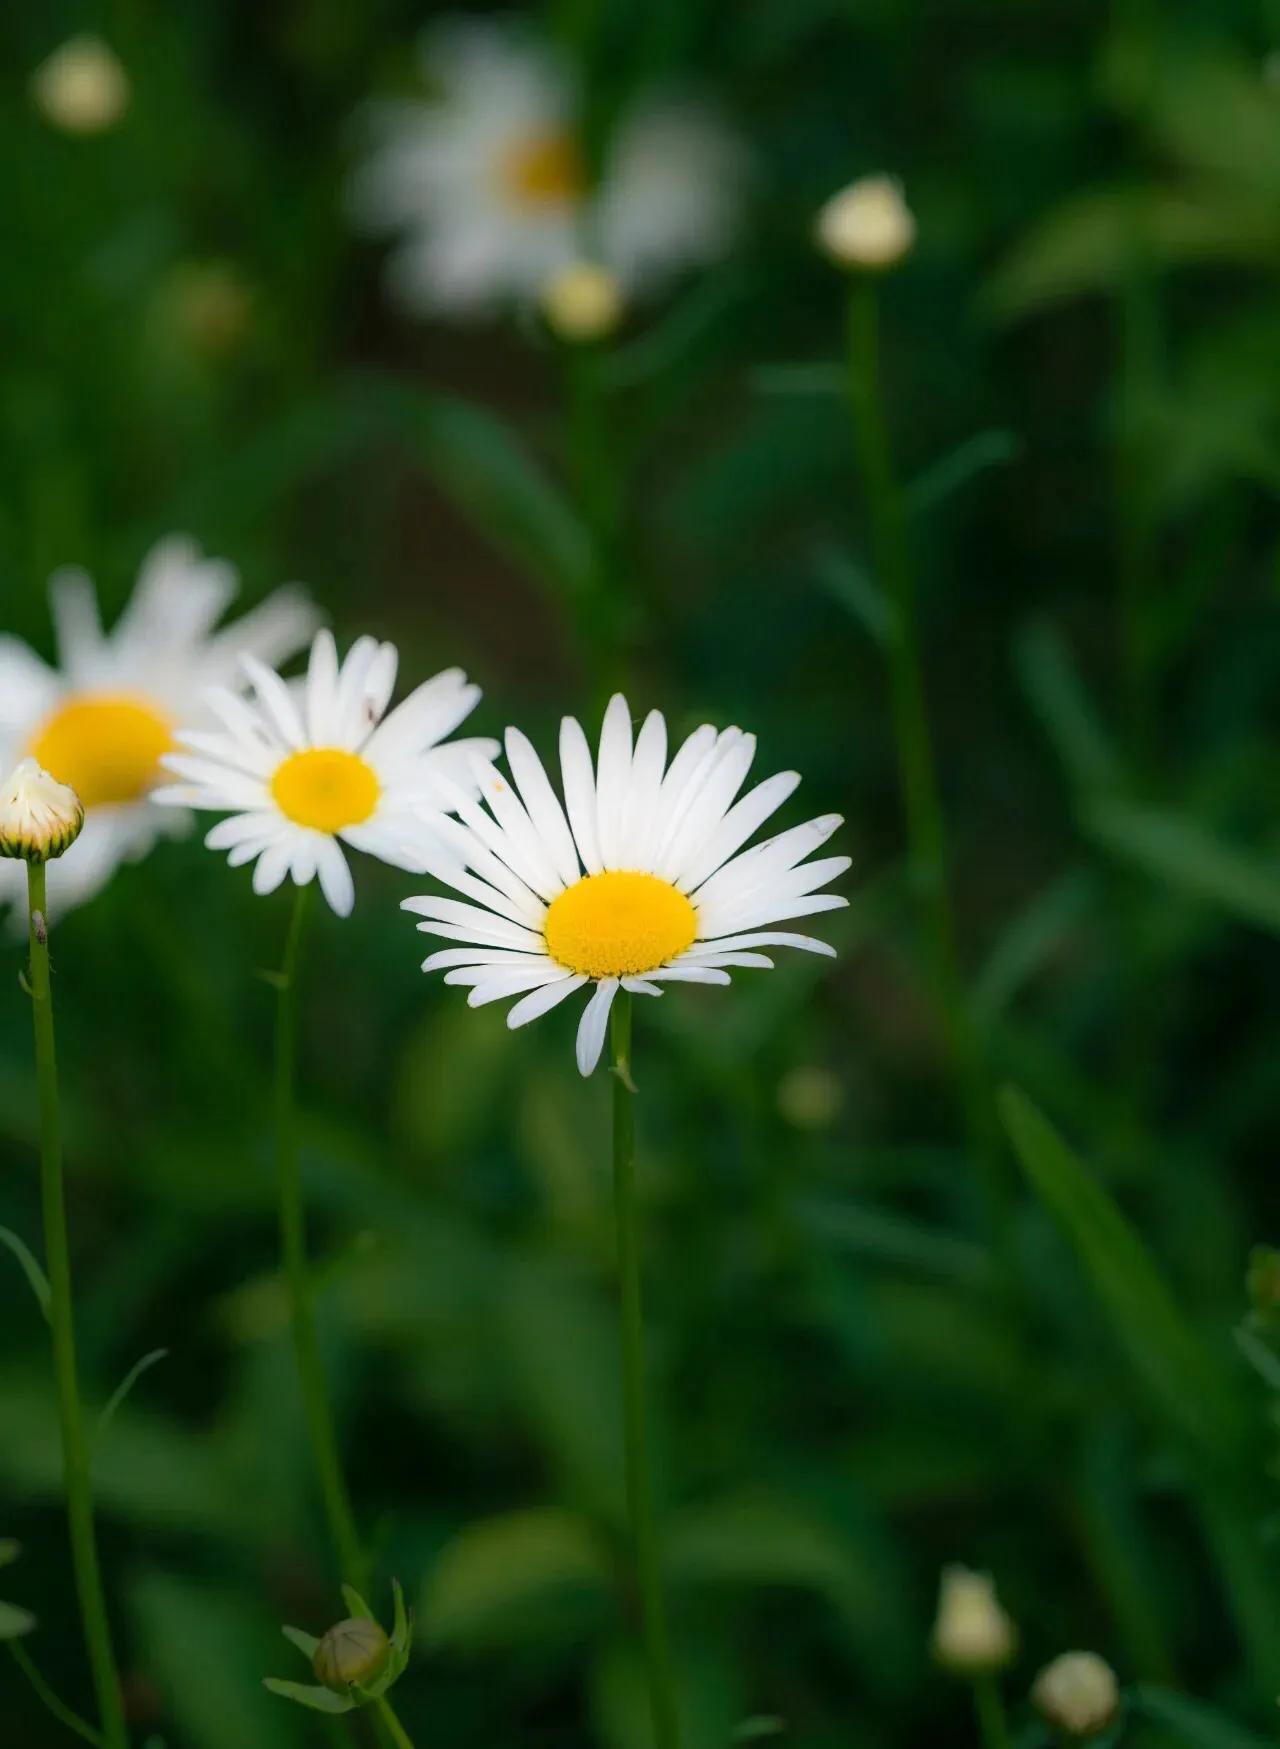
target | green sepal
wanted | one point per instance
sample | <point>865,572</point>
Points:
<point>306,1643</point>
<point>320,1700</point>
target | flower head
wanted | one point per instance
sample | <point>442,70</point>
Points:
<point>972,1634</point>
<point>867,225</point>
<point>303,771</point>
<point>82,87</point>
<point>102,719</point>
<point>353,1651</point>
<point>582,302</point>
<point>488,185</point>
<point>40,818</point>
<point>1077,1694</point>
<point>637,880</point>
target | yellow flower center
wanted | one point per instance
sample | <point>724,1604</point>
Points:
<point>325,788</point>
<point>544,171</point>
<point>107,747</point>
<point>616,925</point>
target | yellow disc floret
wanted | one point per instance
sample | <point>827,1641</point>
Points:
<point>325,788</point>
<point>544,171</point>
<point>619,925</point>
<point>106,747</point>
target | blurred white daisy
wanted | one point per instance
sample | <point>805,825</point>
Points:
<point>304,769</point>
<point>487,184</point>
<point>640,879</point>
<point>101,720</point>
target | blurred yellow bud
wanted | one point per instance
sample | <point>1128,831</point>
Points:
<point>868,224</point>
<point>972,1635</point>
<point>1077,1694</point>
<point>82,87</point>
<point>39,817</point>
<point>810,1097</point>
<point>355,1651</point>
<point>582,302</point>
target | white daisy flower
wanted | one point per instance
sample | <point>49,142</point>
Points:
<point>488,184</point>
<point>303,769</point>
<point>639,879</point>
<point>101,720</point>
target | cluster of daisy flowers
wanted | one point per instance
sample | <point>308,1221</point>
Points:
<point>635,875</point>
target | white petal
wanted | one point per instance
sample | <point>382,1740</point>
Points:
<point>238,828</point>
<point>335,878</point>
<point>681,974</point>
<point>446,958</point>
<point>708,806</point>
<point>744,818</point>
<point>695,958</point>
<point>541,1001</point>
<point>276,700</point>
<point>77,623</point>
<point>543,805</point>
<point>322,687</point>
<point>613,780</point>
<point>770,910</point>
<point>579,783</point>
<point>592,1026</point>
<point>768,938</point>
<point>509,812</point>
<point>497,986</point>
<point>768,860</point>
<point>639,834</point>
<point>640,987</point>
<point>272,866</point>
<point>488,929</point>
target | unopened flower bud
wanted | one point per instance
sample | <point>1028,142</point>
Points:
<point>39,817</point>
<point>1077,1694</point>
<point>867,225</point>
<point>82,87</point>
<point>972,1635</point>
<point>582,302</point>
<point>355,1651</point>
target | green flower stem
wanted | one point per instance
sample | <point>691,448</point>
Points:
<point>993,1727</point>
<point>75,1446</point>
<point>395,1730</point>
<point>926,828</point>
<point>666,1729</point>
<point>59,1708</point>
<point>293,1245</point>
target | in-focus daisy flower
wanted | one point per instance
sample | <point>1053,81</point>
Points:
<point>101,720</point>
<point>487,185</point>
<point>82,88</point>
<point>637,880</point>
<point>303,770</point>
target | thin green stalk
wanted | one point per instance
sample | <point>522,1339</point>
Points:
<point>58,1707</point>
<point>293,1246</point>
<point>75,1446</point>
<point>662,1701</point>
<point>926,828</point>
<point>993,1726</point>
<point>399,1736</point>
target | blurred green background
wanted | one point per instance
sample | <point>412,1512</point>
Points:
<point>1082,361</point>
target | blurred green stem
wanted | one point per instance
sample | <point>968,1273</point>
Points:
<point>60,1710</point>
<point>75,1446</point>
<point>386,1712</point>
<point>293,1245</point>
<point>666,1729</point>
<point>926,829</point>
<point>993,1727</point>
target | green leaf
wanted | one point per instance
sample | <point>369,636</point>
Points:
<point>320,1700</point>
<point>1193,1393</point>
<point>122,1390</point>
<point>15,1622</point>
<point>495,1575</point>
<point>1183,854</point>
<point>1067,714</point>
<point>1192,1720</point>
<point>951,473</point>
<point>37,1280</point>
<point>307,1644</point>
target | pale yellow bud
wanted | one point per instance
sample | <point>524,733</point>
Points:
<point>39,817</point>
<point>867,225</point>
<point>582,302</point>
<point>1077,1694</point>
<point>82,87</point>
<point>972,1634</point>
<point>355,1651</point>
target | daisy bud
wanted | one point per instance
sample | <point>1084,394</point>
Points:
<point>867,224</point>
<point>972,1635</point>
<point>582,302</point>
<point>39,817</point>
<point>353,1652</point>
<point>1077,1694</point>
<point>82,88</point>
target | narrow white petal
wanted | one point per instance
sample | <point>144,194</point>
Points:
<point>460,842</point>
<point>756,913</point>
<point>272,866</point>
<point>543,805</point>
<point>592,1026</point>
<point>276,700</point>
<point>542,1001</point>
<point>446,958</point>
<point>509,812</point>
<point>579,782</point>
<point>613,780</point>
<point>708,808</point>
<point>322,686</point>
<point>696,958</point>
<point>768,938</point>
<point>767,860</point>
<point>640,987</point>
<point>638,836</point>
<point>682,974</point>
<point>744,818</point>
<point>498,986</point>
<point>335,878</point>
<point>239,827</point>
